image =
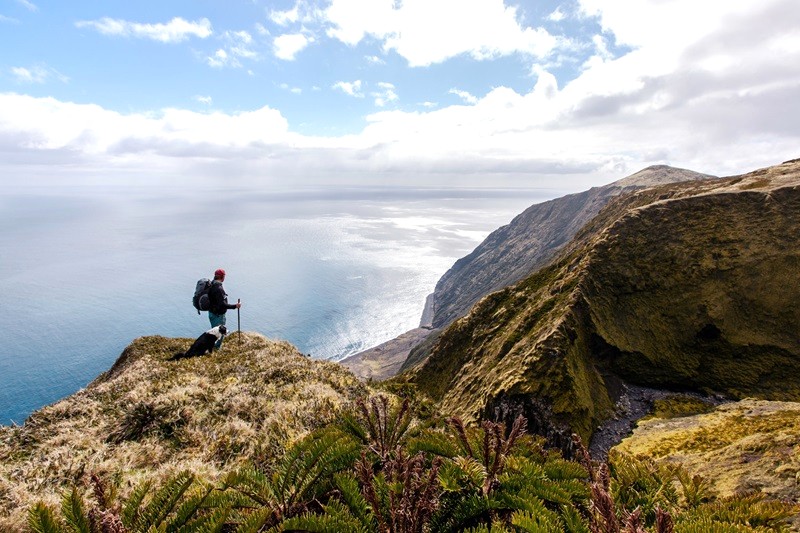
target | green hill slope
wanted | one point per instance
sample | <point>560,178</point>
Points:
<point>685,286</point>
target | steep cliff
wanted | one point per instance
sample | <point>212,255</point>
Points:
<point>684,286</point>
<point>529,241</point>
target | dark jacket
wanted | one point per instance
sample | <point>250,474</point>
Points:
<point>218,299</point>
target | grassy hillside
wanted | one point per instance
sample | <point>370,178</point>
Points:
<point>149,417</point>
<point>676,286</point>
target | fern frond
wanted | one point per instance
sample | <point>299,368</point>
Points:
<point>530,479</point>
<point>578,490</point>
<point>484,528</point>
<point>450,478</point>
<point>309,465</point>
<point>335,519</point>
<point>351,495</point>
<point>471,470</point>
<point>462,473</point>
<point>751,510</point>
<point>228,499</point>
<point>574,522</point>
<point>74,511</point>
<point>132,507</point>
<point>709,525</point>
<point>535,523</point>
<point>41,519</point>
<point>563,469</point>
<point>350,424</point>
<point>643,483</point>
<point>461,513</point>
<point>164,501</point>
<point>189,509</point>
<point>213,522</point>
<point>434,443</point>
<point>547,491</point>
<point>253,484</point>
<point>696,490</point>
<point>253,522</point>
<point>532,447</point>
<point>517,502</point>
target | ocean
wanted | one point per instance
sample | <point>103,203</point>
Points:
<point>332,270</point>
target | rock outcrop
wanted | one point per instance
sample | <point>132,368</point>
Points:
<point>681,286</point>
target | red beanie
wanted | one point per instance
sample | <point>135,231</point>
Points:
<point>220,273</point>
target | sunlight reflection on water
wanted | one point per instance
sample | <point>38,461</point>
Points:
<point>334,272</point>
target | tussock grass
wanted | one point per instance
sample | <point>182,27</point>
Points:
<point>149,418</point>
<point>678,406</point>
<point>751,445</point>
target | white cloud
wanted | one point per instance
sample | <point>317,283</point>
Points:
<point>206,100</point>
<point>26,75</point>
<point>426,32</point>
<point>375,60</point>
<point>722,99</point>
<point>289,45</point>
<point>293,90</point>
<point>49,125</point>
<point>30,6</point>
<point>238,45</point>
<point>8,20</point>
<point>175,31</point>
<point>385,95</point>
<point>350,88</point>
<point>465,96</point>
<point>557,15</point>
<point>36,74</point>
<point>284,18</point>
<point>221,59</point>
<point>304,12</point>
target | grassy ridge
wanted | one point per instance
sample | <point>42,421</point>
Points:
<point>149,417</point>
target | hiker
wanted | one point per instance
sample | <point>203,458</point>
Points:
<point>219,304</point>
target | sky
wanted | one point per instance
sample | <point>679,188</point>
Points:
<point>431,93</point>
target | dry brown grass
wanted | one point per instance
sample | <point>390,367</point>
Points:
<point>149,417</point>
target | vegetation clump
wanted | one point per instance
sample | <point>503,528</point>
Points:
<point>739,447</point>
<point>382,470</point>
<point>678,406</point>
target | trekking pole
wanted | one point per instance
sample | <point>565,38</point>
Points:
<point>239,321</point>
